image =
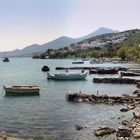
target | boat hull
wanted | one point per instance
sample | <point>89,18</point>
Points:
<point>80,62</point>
<point>123,73</point>
<point>103,71</point>
<point>134,70</point>
<point>21,92</point>
<point>81,76</point>
<point>45,68</point>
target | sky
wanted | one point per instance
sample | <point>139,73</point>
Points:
<point>27,22</point>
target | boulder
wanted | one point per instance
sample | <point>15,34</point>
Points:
<point>136,113</point>
<point>100,132</point>
<point>136,133</point>
<point>138,85</point>
<point>124,132</point>
<point>79,127</point>
<point>124,109</point>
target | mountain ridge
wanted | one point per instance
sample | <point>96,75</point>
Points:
<point>54,44</point>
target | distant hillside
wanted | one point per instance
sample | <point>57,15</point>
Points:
<point>55,44</point>
<point>125,45</point>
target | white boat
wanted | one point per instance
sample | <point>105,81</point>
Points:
<point>134,70</point>
<point>96,61</point>
<point>21,90</point>
<point>67,76</point>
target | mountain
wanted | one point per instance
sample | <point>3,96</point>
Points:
<point>124,45</point>
<point>35,48</point>
<point>55,44</point>
<point>99,31</point>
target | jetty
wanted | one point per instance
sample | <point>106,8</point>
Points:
<point>74,68</point>
<point>119,80</point>
<point>104,99</point>
<point>85,68</point>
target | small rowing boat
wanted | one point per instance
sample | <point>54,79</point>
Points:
<point>21,90</point>
<point>45,68</point>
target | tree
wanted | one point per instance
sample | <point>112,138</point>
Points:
<point>122,53</point>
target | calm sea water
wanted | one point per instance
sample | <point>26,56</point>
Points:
<point>50,116</point>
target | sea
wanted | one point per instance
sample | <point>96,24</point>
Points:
<point>50,116</point>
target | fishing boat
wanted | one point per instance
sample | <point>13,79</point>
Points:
<point>6,59</point>
<point>104,71</point>
<point>134,70</point>
<point>67,76</point>
<point>21,90</point>
<point>78,62</point>
<point>128,73</point>
<point>45,68</point>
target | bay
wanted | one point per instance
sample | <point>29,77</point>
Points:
<point>50,116</point>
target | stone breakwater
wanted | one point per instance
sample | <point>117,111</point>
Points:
<point>124,80</point>
<point>75,68</point>
<point>128,130</point>
<point>98,99</point>
<point>85,68</point>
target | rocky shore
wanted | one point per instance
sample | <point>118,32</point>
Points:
<point>128,130</point>
<point>105,99</point>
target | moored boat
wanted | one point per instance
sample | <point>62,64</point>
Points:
<point>45,68</point>
<point>128,73</point>
<point>6,59</point>
<point>78,62</point>
<point>134,70</point>
<point>67,76</point>
<point>21,90</point>
<point>104,71</point>
<point>96,61</point>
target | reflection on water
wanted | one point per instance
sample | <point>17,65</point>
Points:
<point>50,116</point>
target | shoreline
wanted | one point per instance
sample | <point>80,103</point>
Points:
<point>128,130</point>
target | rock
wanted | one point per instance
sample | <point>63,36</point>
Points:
<point>104,131</point>
<point>138,85</point>
<point>124,132</point>
<point>136,133</point>
<point>79,127</point>
<point>124,122</point>
<point>136,113</point>
<point>130,107</point>
<point>124,109</point>
<point>137,93</point>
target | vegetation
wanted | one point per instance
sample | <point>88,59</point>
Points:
<point>129,49</point>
